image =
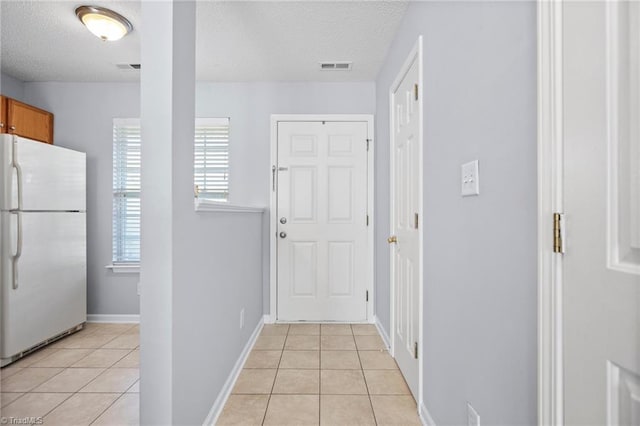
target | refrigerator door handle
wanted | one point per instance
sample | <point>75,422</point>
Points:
<point>16,165</point>
<point>16,257</point>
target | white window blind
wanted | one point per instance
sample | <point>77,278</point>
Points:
<point>211,158</point>
<point>126,191</point>
<point>211,177</point>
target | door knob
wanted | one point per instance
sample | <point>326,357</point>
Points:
<point>392,239</point>
<point>283,235</point>
<point>283,220</point>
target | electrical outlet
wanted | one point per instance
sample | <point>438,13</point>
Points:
<point>241,318</point>
<point>470,179</point>
<point>473,418</point>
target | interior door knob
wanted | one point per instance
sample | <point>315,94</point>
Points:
<point>283,234</point>
<point>392,239</point>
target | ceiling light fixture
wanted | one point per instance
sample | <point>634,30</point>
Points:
<point>104,23</point>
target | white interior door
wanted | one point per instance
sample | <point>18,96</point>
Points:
<point>405,237</point>
<point>322,221</point>
<point>601,264</point>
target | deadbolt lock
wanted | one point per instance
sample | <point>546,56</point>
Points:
<point>392,239</point>
<point>283,220</point>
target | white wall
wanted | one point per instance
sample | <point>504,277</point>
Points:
<point>11,87</point>
<point>480,252</point>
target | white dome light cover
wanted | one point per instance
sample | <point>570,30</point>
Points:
<point>104,23</point>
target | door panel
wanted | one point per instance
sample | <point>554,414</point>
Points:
<point>340,195</point>
<point>405,187</point>
<point>322,197</point>
<point>601,288</point>
<point>341,269</point>
<point>304,267</point>
<point>51,278</point>
<point>304,194</point>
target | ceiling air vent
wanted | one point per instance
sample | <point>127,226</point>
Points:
<point>335,66</point>
<point>128,66</point>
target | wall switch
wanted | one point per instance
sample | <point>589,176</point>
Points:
<point>473,418</point>
<point>470,184</point>
<point>241,318</point>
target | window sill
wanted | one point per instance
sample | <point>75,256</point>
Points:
<point>205,205</point>
<point>124,269</point>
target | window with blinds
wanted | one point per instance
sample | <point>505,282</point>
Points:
<point>211,158</point>
<point>210,176</point>
<point>126,191</point>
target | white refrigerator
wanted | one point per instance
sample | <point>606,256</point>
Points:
<point>43,268</point>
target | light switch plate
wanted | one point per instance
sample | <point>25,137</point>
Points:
<point>470,179</point>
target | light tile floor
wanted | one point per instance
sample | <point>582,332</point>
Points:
<point>327,374</point>
<point>88,378</point>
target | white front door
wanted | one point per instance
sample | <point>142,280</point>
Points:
<point>601,264</point>
<point>322,221</point>
<point>405,239</point>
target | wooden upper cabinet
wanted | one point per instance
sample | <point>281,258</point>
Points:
<point>27,121</point>
<point>3,114</point>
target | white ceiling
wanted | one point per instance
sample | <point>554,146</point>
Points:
<point>236,40</point>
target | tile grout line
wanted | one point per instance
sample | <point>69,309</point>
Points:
<point>103,411</point>
<point>375,420</point>
<point>264,416</point>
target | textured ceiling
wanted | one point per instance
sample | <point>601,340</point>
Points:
<point>44,41</point>
<point>236,40</point>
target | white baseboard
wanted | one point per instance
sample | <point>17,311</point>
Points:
<point>383,333</point>
<point>425,417</point>
<point>268,319</point>
<point>218,405</point>
<point>114,318</point>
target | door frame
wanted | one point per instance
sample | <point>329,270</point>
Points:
<point>272,317</point>
<point>414,55</point>
<point>550,200</point>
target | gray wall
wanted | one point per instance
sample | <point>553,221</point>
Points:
<point>219,275</point>
<point>83,121</point>
<point>480,252</point>
<point>11,87</point>
<point>250,106</point>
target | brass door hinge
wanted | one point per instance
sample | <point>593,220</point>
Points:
<point>415,91</point>
<point>367,296</point>
<point>368,141</point>
<point>558,233</point>
<point>415,220</point>
<point>367,220</point>
<point>415,350</point>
